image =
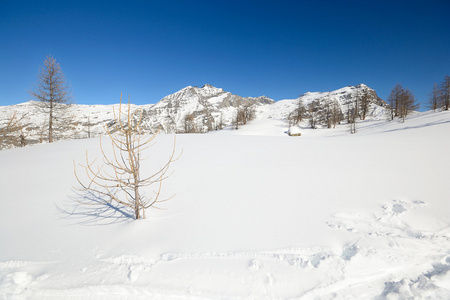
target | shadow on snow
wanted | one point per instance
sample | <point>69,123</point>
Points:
<point>89,208</point>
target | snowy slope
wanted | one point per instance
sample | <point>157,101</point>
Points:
<point>257,215</point>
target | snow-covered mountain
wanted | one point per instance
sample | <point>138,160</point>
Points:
<point>344,96</point>
<point>206,108</point>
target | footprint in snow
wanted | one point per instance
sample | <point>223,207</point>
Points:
<point>255,265</point>
<point>134,272</point>
<point>400,206</point>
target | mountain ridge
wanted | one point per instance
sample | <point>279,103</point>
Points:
<point>191,109</point>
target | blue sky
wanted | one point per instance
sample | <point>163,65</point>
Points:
<point>150,49</point>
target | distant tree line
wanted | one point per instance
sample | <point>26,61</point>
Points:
<point>328,112</point>
<point>401,102</point>
<point>200,122</point>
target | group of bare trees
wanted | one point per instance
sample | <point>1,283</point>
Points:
<point>189,123</point>
<point>298,114</point>
<point>192,123</point>
<point>327,113</point>
<point>244,114</point>
<point>401,102</point>
<point>440,95</point>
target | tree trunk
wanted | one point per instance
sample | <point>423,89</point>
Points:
<point>50,124</point>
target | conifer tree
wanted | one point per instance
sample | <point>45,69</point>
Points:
<point>52,93</point>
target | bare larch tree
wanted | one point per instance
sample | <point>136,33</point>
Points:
<point>433,100</point>
<point>11,132</point>
<point>365,104</point>
<point>299,113</point>
<point>119,177</point>
<point>52,93</point>
<point>444,93</point>
<point>394,99</point>
<point>351,115</point>
<point>402,101</point>
<point>313,110</point>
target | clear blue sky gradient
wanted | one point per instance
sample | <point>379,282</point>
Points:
<point>150,49</point>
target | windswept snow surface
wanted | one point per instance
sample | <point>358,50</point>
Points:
<point>257,215</point>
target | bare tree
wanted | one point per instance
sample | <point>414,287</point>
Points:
<point>239,117</point>
<point>336,113</point>
<point>365,103</point>
<point>444,93</point>
<point>52,93</point>
<point>189,123</point>
<point>407,104</point>
<point>402,102</point>
<point>356,109</point>
<point>299,113</point>
<point>351,116</point>
<point>42,132</point>
<point>389,113</point>
<point>219,122</point>
<point>88,125</point>
<point>394,98</point>
<point>119,178</point>
<point>207,121</point>
<point>433,100</point>
<point>313,113</point>
<point>244,114</point>
<point>248,114</point>
<point>11,132</point>
<point>327,113</point>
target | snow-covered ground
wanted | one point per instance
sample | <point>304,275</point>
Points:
<point>257,215</point>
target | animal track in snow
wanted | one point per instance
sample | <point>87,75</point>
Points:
<point>424,284</point>
<point>398,207</point>
<point>295,257</point>
<point>12,264</point>
<point>15,283</point>
<point>409,250</point>
<point>388,223</point>
<point>134,272</point>
<point>255,265</point>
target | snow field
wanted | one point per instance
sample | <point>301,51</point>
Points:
<point>257,215</point>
